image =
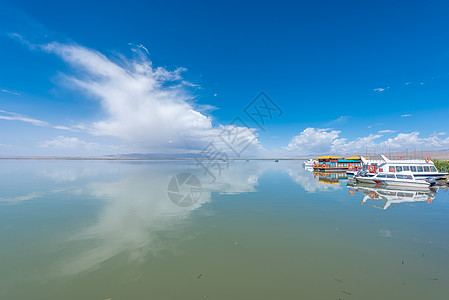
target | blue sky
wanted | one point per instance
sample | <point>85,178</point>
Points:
<point>347,75</point>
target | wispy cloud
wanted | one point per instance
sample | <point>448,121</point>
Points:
<point>206,108</point>
<point>187,83</point>
<point>62,142</point>
<point>143,48</point>
<point>381,89</point>
<point>339,120</point>
<point>11,116</point>
<point>10,92</point>
<point>5,115</point>
<point>405,116</point>
<point>65,128</point>
<point>386,131</point>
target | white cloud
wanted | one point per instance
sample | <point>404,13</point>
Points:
<point>405,116</point>
<point>313,140</point>
<point>339,120</point>
<point>187,83</point>
<point>145,105</point>
<point>386,131</point>
<point>327,141</point>
<point>65,128</point>
<point>412,140</point>
<point>18,117</point>
<point>206,108</point>
<point>10,92</point>
<point>360,144</point>
<point>11,116</point>
<point>381,89</point>
<point>144,48</point>
<point>62,142</point>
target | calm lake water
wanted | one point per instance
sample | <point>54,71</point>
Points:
<point>261,230</point>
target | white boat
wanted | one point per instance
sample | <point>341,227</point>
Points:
<point>405,179</point>
<point>309,163</point>
<point>420,168</point>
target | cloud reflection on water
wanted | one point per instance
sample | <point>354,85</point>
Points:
<point>135,217</point>
<point>138,219</point>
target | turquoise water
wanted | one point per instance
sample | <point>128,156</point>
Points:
<point>262,230</point>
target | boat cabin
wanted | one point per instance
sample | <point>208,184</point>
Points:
<point>418,167</point>
<point>337,163</point>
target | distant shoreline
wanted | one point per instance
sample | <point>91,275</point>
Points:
<point>130,158</point>
<point>434,154</point>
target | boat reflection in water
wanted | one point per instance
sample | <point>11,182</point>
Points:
<point>383,196</point>
<point>327,177</point>
<point>330,178</point>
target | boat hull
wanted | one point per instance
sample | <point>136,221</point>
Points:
<point>328,170</point>
<point>398,183</point>
<point>438,175</point>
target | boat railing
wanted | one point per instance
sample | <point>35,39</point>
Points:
<point>401,156</point>
<point>407,157</point>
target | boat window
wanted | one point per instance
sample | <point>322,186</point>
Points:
<point>391,169</point>
<point>413,168</point>
<point>381,176</point>
<point>426,169</point>
<point>419,168</point>
<point>403,194</point>
<point>398,169</point>
<point>408,177</point>
<point>391,176</point>
<point>406,168</point>
<point>400,176</point>
<point>434,169</point>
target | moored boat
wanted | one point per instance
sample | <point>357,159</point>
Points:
<point>420,168</point>
<point>337,164</point>
<point>309,163</point>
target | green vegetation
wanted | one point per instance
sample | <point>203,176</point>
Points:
<point>441,163</point>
